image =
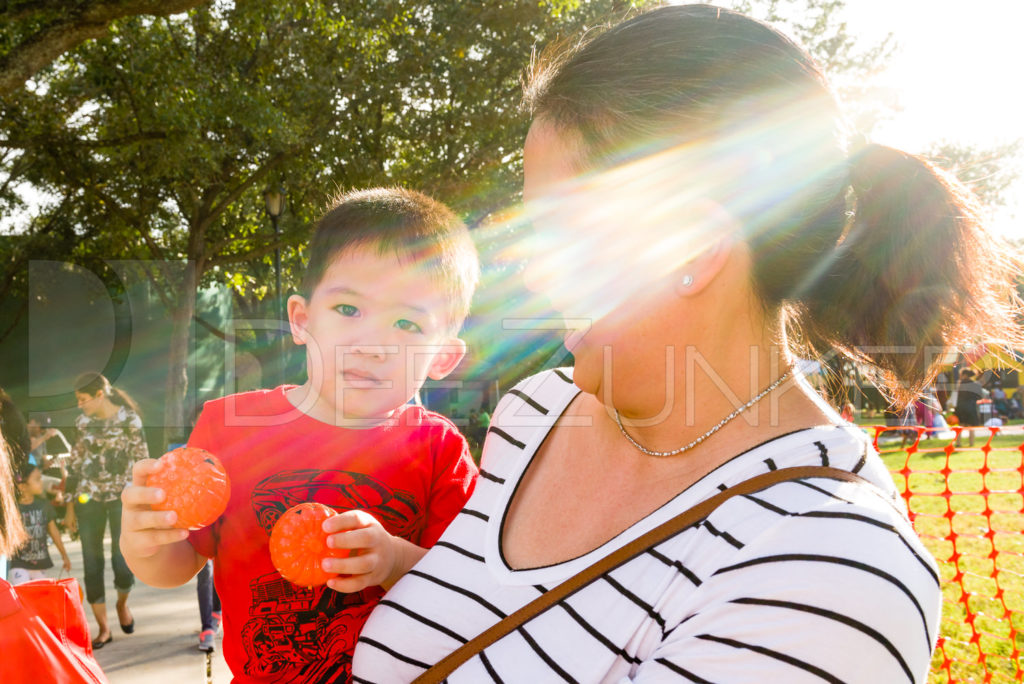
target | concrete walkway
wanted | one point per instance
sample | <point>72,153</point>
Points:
<point>163,646</point>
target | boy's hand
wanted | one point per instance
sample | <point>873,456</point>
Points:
<point>378,558</point>
<point>143,530</point>
<point>67,563</point>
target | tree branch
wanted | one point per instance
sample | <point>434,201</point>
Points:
<point>217,332</point>
<point>58,36</point>
<point>17,319</point>
<point>287,240</point>
<point>235,193</point>
<point>41,48</point>
<point>141,136</point>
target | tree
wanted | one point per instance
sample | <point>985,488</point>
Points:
<point>818,26</point>
<point>35,32</point>
<point>988,171</point>
<point>166,132</point>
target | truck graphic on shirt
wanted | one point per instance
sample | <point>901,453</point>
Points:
<point>305,634</point>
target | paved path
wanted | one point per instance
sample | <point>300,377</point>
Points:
<point>163,646</point>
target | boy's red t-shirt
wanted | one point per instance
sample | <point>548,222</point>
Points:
<point>413,474</point>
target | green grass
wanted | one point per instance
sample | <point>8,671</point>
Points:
<point>984,581</point>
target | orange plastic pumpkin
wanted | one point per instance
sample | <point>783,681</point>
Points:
<point>196,484</point>
<point>298,545</point>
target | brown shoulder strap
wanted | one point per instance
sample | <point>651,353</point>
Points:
<point>687,518</point>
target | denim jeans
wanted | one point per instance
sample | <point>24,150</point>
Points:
<point>209,602</point>
<point>92,521</point>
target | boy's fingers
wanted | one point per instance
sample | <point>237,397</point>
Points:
<point>349,520</point>
<point>151,520</point>
<point>348,585</point>
<point>138,495</point>
<point>155,538</point>
<point>143,469</point>
<point>361,538</point>
<point>354,565</point>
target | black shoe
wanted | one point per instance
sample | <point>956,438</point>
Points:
<point>97,644</point>
<point>129,628</point>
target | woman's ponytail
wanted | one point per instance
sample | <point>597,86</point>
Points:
<point>122,398</point>
<point>914,272</point>
<point>91,383</point>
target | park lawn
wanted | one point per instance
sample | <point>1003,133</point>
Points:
<point>986,529</point>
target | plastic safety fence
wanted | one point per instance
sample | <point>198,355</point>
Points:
<point>967,505</point>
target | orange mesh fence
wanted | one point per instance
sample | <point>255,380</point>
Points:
<point>967,504</point>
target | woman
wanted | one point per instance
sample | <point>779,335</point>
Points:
<point>110,440</point>
<point>686,173</point>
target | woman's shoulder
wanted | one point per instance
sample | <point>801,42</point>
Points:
<point>128,417</point>
<point>543,394</point>
<point>533,405</point>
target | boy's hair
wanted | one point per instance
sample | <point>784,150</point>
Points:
<point>417,229</point>
<point>25,470</point>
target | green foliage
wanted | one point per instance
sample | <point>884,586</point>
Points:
<point>818,26</point>
<point>988,171</point>
<point>156,141</point>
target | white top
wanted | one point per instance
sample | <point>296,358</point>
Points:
<point>807,581</point>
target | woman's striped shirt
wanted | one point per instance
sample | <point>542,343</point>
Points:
<point>806,581</point>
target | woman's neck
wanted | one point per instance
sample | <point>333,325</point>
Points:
<point>107,410</point>
<point>26,497</point>
<point>704,386</point>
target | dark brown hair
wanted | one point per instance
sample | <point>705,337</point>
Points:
<point>12,533</point>
<point>876,254</point>
<point>417,229</point>
<point>91,383</point>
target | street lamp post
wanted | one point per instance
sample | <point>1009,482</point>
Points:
<point>274,200</point>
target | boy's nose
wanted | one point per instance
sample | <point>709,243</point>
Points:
<point>375,351</point>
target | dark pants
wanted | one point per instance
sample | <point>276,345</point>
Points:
<point>92,521</point>
<point>209,602</point>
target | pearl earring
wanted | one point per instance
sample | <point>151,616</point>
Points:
<point>687,280</point>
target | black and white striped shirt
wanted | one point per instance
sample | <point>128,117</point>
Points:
<point>807,581</point>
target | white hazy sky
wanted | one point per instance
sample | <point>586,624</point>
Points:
<point>957,74</point>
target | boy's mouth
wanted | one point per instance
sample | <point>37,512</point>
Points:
<point>361,377</point>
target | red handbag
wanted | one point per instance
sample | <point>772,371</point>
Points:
<point>44,635</point>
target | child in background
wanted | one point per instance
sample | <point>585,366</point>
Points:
<point>37,515</point>
<point>388,284</point>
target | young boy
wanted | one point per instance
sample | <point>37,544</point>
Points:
<point>388,284</point>
<point>37,516</point>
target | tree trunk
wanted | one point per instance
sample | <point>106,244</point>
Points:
<point>177,359</point>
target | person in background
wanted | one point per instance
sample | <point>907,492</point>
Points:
<point>52,464</point>
<point>968,394</point>
<point>32,559</point>
<point>13,429</point>
<point>209,608</point>
<point>110,440</point>
<point>29,641</point>
<point>998,396</point>
<point>942,388</point>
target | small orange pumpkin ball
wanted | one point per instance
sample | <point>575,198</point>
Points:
<point>196,485</point>
<point>298,545</point>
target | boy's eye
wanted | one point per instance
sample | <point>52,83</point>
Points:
<point>347,310</point>
<point>408,326</point>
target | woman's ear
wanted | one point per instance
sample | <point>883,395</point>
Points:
<point>698,273</point>
<point>444,362</point>
<point>298,318</point>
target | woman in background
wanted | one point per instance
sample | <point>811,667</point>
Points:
<point>110,440</point>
